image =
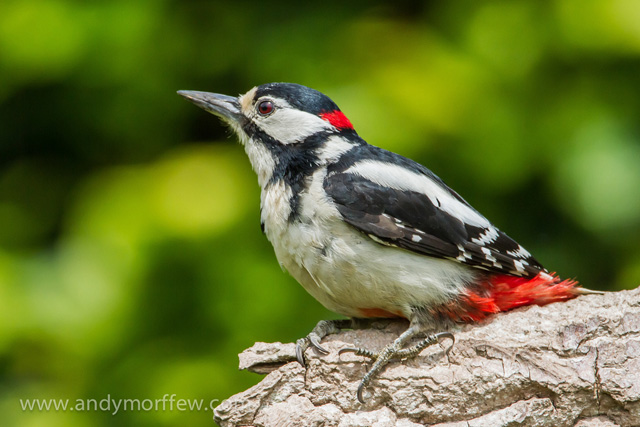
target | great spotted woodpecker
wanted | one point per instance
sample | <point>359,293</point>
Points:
<point>370,233</point>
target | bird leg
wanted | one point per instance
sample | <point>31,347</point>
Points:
<point>394,350</point>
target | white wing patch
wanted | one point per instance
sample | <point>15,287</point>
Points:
<point>489,236</point>
<point>464,255</point>
<point>399,178</point>
<point>519,266</point>
<point>489,256</point>
<point>520,253</point>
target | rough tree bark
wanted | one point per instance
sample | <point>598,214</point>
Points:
<point>566,364</point>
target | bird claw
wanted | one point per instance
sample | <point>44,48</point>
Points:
<point>322,329</point>
<point>359,351</point>
<point>360,392</point>
<point>349,350</point>
<point>314,339</point>
<point>446,335</point>
<point>301,345</point>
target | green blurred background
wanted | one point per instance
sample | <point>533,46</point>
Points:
<point>131,259</point>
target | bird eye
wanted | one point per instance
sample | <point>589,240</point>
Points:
<point>265,107</point>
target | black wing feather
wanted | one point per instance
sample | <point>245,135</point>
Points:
<point>409,220</point>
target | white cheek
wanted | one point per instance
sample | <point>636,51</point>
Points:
<point>289,126</point>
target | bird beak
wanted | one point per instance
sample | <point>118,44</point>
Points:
<point>226,107</point>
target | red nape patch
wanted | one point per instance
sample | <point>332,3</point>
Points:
<point>502,292</point>
<point>337,119</point>
<point>378,312</point>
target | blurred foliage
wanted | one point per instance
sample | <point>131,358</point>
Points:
<point>131,258</point>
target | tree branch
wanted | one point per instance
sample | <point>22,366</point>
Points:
<point>566,364</point>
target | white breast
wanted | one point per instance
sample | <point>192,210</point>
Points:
<point>344,269</point>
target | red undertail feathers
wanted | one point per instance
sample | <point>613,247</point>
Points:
<point>503,292</point>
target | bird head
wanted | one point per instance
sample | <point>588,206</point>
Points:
<point>280,122</point>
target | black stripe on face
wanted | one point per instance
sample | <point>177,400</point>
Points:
<point>295,162</point>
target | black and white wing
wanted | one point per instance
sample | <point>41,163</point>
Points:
<point>398,202</point>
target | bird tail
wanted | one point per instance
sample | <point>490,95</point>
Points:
<point>501,292</point>
<point>511,292</point>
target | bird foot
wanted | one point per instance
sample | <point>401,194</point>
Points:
<point>321,330</point>
<point>393,351</point>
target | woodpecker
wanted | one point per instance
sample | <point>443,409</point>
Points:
<point>370,233</point>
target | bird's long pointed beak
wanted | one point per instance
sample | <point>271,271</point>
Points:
<point>224,106</point>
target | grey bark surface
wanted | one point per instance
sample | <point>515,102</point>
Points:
<point>575,363</point>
